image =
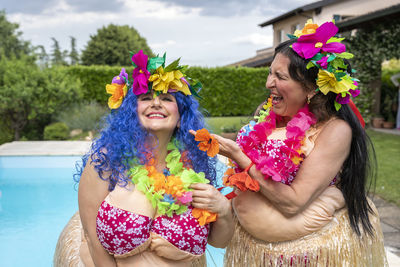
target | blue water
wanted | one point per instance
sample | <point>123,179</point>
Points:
<point>37,198</point>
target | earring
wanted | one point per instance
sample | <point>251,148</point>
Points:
<point>308,100</point>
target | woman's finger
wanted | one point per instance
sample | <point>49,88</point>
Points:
<point>193,132</point>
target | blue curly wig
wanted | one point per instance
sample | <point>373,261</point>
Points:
<point>122,139</point>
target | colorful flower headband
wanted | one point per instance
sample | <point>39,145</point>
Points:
<point>151,74</point>
<point>327,53</point>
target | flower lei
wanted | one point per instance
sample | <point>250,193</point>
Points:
<point>286,160</point>
<point>169,192</point>
<point>151,74</point>
<point>327,53</point>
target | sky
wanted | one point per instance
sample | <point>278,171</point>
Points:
<point>204,33</point>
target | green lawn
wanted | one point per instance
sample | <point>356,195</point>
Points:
<point>387,147</point>
<point>217,124</point>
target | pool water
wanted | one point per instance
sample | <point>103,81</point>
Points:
<point>37,198</point>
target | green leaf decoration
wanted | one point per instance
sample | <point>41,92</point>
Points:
<point>291,36</point>
<point>337,106</point>
<point>181,209</point>
<point>331,57</point>
<point>334,39</point>
<point>173,66</point>
<point>345,55</point>
<point>155,62</point>
<point>317,57</point>
<point>310,65</point>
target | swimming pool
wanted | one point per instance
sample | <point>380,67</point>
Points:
<point>37,198</point>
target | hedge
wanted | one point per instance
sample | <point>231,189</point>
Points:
<point>227,91</point>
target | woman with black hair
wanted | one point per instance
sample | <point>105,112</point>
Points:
<point>300,169</point>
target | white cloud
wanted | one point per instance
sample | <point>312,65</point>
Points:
<point>162,45</point>
<point>254,38</point>
<point>158,10</point>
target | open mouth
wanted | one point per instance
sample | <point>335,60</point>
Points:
<point>156,116</point>
<point>276,99</point>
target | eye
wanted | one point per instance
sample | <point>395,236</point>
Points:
<point>167,98</point>
<point>146,98</point>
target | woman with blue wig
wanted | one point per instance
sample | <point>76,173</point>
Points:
<point>146,192</point>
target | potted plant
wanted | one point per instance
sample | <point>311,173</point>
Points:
<point>229,132</point>
<point>377,121</point>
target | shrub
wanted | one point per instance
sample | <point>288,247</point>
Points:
<point>227,91</point>
<point>56,131</point>
<point>30,95</point>
<point>85,116</point>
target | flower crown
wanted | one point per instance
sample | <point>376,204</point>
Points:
<point>151,74</point>
<point>327,53</point>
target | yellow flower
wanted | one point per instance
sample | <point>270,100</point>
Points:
<point>327,82</point>
<point>118,92</point>
<point>309,28</point>
<point>171,80</point>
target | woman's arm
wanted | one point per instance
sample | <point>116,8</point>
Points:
<point>207,197</point>
<point>92,191</point>
<point>331,149</point>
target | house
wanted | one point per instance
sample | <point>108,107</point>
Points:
<point>348,15</point>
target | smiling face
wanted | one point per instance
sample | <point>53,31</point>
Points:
<point>288,95</point>
<point>158,115</point>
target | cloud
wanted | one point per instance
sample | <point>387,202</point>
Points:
<point>254,38</point>
<point>180,28</point>
<point>162,45</point>
<point>224,8</point>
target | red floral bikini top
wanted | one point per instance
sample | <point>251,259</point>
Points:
<point>124,233</point>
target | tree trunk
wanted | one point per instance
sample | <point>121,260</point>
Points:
<point>375,85</point>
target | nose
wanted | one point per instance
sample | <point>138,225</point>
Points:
<point>270,82</point>
<point>156,101</point>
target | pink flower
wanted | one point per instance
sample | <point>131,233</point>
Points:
<point>309,45</point>
<point>140,74</point>
<point>186,197</point>
<point>323,62</point>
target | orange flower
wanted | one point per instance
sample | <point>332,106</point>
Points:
<point>207,142</point>
<point>204,216</point>
<point>229,172</point>
<point>309,28</point>
<point>174,185</point>
<point>243,181</point>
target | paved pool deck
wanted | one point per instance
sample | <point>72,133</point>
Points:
<point>389,213</point>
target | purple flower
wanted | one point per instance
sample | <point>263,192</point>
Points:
<point>140,74</point>
<point>121,78</point>
<point>309,45</point>
<point>354,93</point>
<point>343,100</point>
<point>323,62</point>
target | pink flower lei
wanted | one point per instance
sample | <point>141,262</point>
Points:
<point>289,156</point>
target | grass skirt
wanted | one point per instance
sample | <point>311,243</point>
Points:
<point>334,245</point>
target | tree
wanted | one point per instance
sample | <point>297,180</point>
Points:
<point>30,96</point>
<point>371,45</point>
<point>10,41</point>
<point>57,57</point>
<point>73,54</point>
<point>112,44</point>
<point>42,58</point>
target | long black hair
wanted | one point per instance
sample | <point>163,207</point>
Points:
<point>361,161</point>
